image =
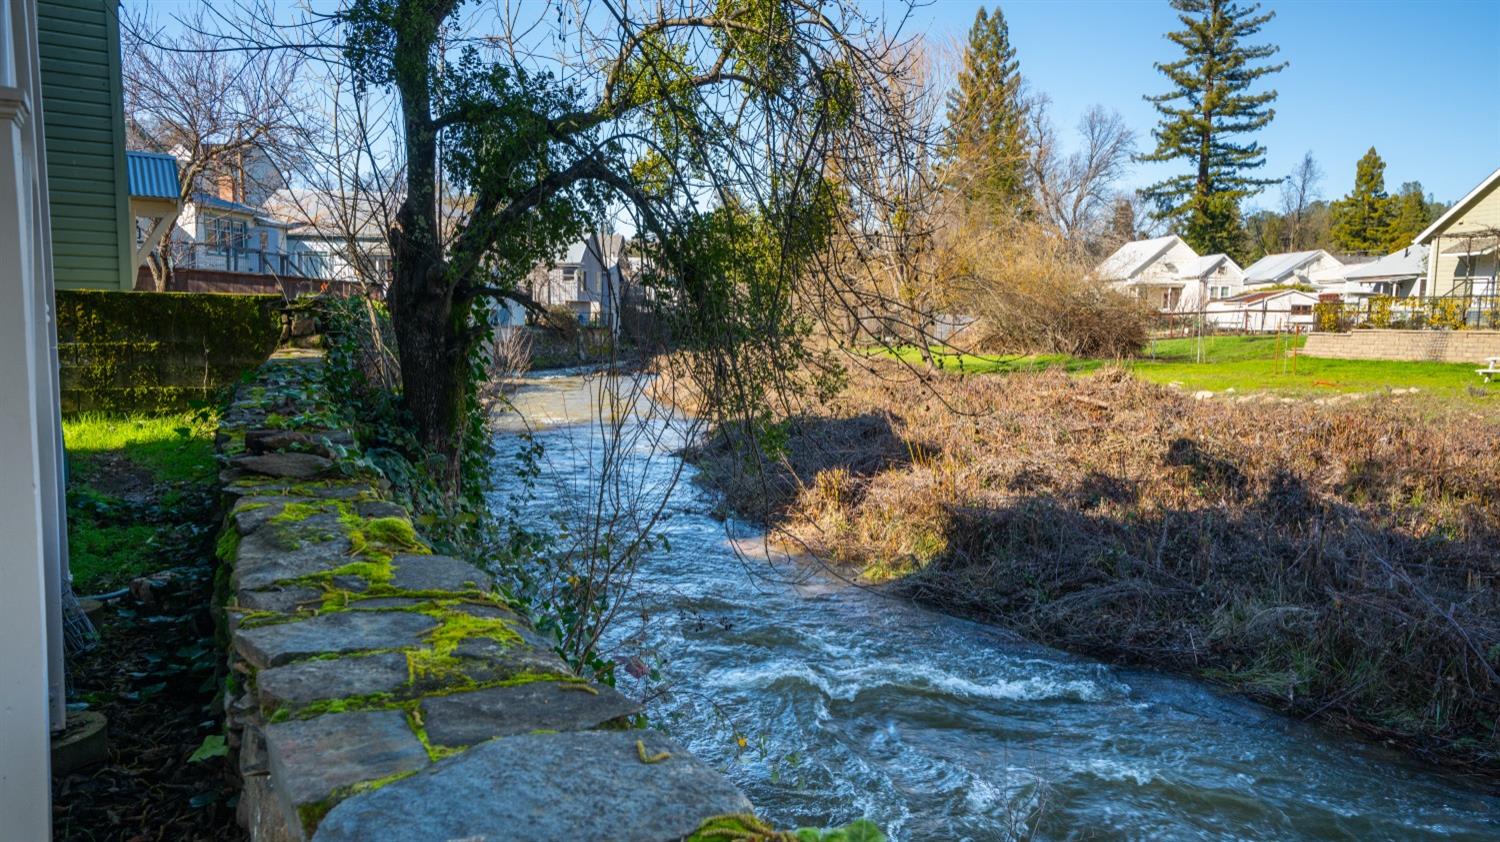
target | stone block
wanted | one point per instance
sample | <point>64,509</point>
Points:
<point>331,634</point>
<point>299,684</point>
<point>282,600</point>
<point>277,552</point>
<point>314,760</point>
<point>589,785</point>
<point>437,573</point>
<point>463,719</point>
<point>292,465</point>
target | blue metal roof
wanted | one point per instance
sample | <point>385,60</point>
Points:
<point>152,175</point>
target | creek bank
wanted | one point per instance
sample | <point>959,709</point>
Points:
<point>375,688</point>
<point>1334,561</point>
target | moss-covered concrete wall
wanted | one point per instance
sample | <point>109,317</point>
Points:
<point>156,352</point>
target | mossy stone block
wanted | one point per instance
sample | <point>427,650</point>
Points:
<point>582,785</point>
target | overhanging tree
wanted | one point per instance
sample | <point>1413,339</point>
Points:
<point>724,133</point>
<point>1210,104</point>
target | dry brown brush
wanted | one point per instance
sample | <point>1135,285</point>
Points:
<point>1337,560</point>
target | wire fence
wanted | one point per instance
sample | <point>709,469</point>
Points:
<point>1433,312</point>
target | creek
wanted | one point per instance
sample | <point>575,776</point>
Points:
<point>852,703</point>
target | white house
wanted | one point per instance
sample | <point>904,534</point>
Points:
<point>1316,268</point>
<point>1166,273</point>
<point>588,279</point>
<point>1217,276</point>
<point>225,235</point>
<point>1396,274</point>
<point>1267,311</point>
<point>225,224</point>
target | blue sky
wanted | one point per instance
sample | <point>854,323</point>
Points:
<point>1419,81</point>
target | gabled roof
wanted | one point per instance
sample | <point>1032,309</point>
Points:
<point>605,247</point>
<point>1408,262</point>
<point>151,175</point>
<point>1203,265</point>
<point>1135,256</point>
<point>1274,267</point>
<point>1460,207</point>
<point>209,200</point>
<point>1264,295</point>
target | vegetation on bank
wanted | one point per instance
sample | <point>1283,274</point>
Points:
<point>138,491</point>
<point>1335,560</point>
<point>1241,363</point>
<point>140,506</point>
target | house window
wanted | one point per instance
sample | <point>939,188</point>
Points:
<point>225,234</point>
<point>1302,309</point>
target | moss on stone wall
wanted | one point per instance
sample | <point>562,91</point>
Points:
<point>159,351</point>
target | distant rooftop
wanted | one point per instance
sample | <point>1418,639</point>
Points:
<point>1274,267</point>
<point>1132,257</point>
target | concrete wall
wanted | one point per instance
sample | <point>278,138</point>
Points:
<point>1453,346</point>
<point>379,691</point>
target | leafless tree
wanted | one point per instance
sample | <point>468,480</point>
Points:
<point>214,110</point>
<point>1298,191</point>
<point>1076,191</point>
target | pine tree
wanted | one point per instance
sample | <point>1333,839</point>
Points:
<point>1361,220</point>
<point>988,141</point>
<point>1410,214</point>
<point>1210,104</point>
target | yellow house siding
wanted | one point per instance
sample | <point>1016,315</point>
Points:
<point>1450,244</point>
<point>83,112</point>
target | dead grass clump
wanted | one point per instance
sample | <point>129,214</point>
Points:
<point>1336,560</point>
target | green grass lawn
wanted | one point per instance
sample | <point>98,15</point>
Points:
<point>137,493</point>
<point>1242,363</point>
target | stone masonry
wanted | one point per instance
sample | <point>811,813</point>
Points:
<point>379,691</point>
<point>1451,346</point>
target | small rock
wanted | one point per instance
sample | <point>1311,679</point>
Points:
<point>1202,395</point>
<point>380,508</point>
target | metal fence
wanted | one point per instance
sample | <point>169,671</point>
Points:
<point>224,258</point>
<point>1241,321</point>
<point>1432,312</point>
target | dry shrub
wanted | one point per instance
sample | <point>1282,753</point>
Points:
<point>1335,559</point>
<point>1033,294</point>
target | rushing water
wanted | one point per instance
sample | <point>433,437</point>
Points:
<point>855,704</point>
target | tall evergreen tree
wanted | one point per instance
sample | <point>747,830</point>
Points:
<point>1361,220</point>
<point>987,137</point>
<point>1410,213</point>
<point>1209,105</point>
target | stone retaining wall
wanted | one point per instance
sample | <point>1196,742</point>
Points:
<point>379,691</point>
<point>1453,346</point>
